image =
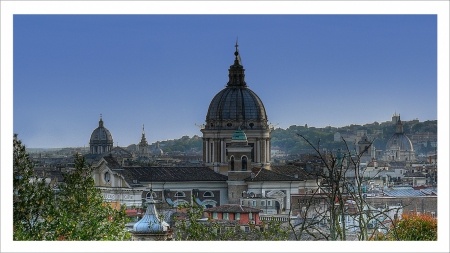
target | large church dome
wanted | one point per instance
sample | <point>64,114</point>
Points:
<point>236,105</point>
<point>234,110</point>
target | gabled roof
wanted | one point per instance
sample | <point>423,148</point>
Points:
<point>111,162</point>
<point>233,208</point>
<point>170,174</point>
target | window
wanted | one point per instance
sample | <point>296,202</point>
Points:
<point>263,203</point>
<point>269,202</point>
<point>107,177</point>
<point>214,215</point>
<point>238,216</point>
<point>232,164</point>
<point>225,216</point>
<point>254,202</point>
<point>250,216</point>
<point>244,163</point>
<point>180,195</point>
<point>208,194</point>
<point>242,203</point>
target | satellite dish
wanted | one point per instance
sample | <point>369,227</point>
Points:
<point>252,195</point>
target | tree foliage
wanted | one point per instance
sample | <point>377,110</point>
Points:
<point>73,210</point>
<point>412,227</point>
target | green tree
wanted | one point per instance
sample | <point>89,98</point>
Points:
<point>412,227</point>
<point>75,210</point>
<point>32,198</point>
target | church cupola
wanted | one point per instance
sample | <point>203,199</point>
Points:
<point>234,110</point>
<point>236,72</point>
<point>399,126</point>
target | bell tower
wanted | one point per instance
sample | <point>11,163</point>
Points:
<point>239,159</point>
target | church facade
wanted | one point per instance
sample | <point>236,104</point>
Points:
<point>236,161</point>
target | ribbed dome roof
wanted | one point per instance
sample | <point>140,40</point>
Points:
<point>399,141</point>
<point>101,133</point>
<point>236,101</point>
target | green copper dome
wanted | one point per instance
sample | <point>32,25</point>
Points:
<point>239,135</point>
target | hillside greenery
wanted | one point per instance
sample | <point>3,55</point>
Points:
<point>287,140</point>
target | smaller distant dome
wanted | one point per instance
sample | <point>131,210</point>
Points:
<point>101,133</point>
<point>239,135</point>
<point>157,150</point>
<point>399,141</point>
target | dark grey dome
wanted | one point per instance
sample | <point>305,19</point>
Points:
<point>101,134</point>
<point>236,105</point>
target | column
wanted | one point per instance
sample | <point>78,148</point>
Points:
<point>221,151</point>
<point>258,151</point>
<point>207,151</point>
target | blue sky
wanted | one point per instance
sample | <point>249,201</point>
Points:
<point>163,70</point>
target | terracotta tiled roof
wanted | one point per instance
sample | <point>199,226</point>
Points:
<point>233,208</point>
<point>170,174</point>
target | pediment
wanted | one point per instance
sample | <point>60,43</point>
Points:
<point>276,194</point>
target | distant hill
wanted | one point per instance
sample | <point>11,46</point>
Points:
<point>288,141</point>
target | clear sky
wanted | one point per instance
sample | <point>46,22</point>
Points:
<point>162,71</point>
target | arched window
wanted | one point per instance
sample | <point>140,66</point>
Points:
<point>180,202</point>
<point>208,203</point>
<point>232,164</point>
<point>180,195</point>
<point>208,194</point>
<point>244,163</point>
